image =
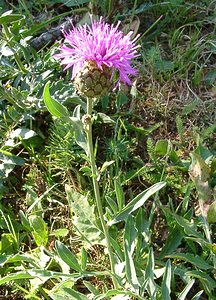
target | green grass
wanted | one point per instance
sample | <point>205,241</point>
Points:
<point>160,130</point>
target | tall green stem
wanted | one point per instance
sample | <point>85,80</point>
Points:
<point>88,129</point>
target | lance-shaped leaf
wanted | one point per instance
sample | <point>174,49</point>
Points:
<point>8,17</point>
<point>54,107</point>
<point>166,283</point>
<point>67,256</point>
<point>137,202</point>
<point>129,245</point>
<point>79,133</point>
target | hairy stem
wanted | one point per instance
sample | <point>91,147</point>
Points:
<point>88,129</point>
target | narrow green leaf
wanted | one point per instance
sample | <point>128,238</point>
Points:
<point>112,204</point>
<point>189,227</point>
<point>67,256</point>
<point>5,259</point>
<point>141,224</point>
<point>129,245</point>
<point>208,283</point>
<point>117,292</point>
<point>84,259</point>
<point>70,3</point>
<point>119,194</point>
<point>61,232</point>
<point>196,260</point>
<point>54,107</point>
<point>149,275</point>
<point>67,293</point>
<point>79,133</point>
<point>144,131</point>
<point>197,296</point>
<point>91,288</point>
<point>105,165</point>
<point>45,274</point>
<point>172,242</point>
<point>183,294</point>
<point>8,17</point>
<point>15,276</point>
<point>118,249</point>
<point>137,202</point>
<point>166,283</point>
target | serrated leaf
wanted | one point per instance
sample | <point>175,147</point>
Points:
<point>7,51</point>
<point>189,227</point>
<point>54,107</point>
<point>104,118</point>
<point>84,218</point>
<point>8,244</point>
<point>24,133</point>
<point>121,100</point>
<point>137,202</point>
<point>25,221</point>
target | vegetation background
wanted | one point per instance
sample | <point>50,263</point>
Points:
<point>162,129</point>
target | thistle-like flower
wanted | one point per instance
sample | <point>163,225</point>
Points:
<point>95,52</point>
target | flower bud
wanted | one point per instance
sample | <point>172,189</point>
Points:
<point>91,81</point>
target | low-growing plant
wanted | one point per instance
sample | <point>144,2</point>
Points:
<point>113,197</point>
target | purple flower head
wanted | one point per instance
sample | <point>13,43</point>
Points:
<point>102,43</point>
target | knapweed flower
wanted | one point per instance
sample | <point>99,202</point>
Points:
<point>96,52</point>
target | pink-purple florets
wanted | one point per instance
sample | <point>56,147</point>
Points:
<point>103,43</point>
